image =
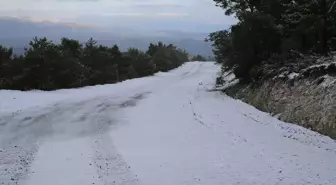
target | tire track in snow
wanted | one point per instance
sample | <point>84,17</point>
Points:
<point>194,70</point>
<point>22,134</point>
<point>188,72</point>
<point>197,117</point>
<point>15,162</point>
<point>111,167</point>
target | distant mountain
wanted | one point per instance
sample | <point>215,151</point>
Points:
<point>17,33</point>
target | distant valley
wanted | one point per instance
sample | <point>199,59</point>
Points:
<point>17,33</point>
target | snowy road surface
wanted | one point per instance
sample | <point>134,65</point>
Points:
<point>168,129</point>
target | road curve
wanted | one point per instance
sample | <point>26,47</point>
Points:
<point>165,129</point>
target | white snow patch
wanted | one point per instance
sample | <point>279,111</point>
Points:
<point>328,81</point>
<point>71,166</point>
<point>293,75</point>
<point>282,75</point>
<point>229,79</point>
<point>230,84</point>
<point>326,64</point>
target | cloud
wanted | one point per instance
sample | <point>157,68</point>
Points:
<point>74,0</point>
<point>158,5</point>
<point>126,13</point>
<point>146,15</point>
<point>54,21</point>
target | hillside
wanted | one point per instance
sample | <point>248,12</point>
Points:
<point>301,91</point>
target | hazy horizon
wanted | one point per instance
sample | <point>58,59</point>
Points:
<point>105,15</point>
<point>128,23</point>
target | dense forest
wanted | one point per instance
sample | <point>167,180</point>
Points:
<point>273,32</point>
<point>48,66</point>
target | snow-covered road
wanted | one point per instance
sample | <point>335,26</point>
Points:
<point>168,129</point>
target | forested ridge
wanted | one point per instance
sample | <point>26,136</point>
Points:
<point>274,33</point>
<point>70,64</point>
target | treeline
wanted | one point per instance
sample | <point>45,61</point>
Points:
<point>201,58</point>
<point>48,66</point>
<point>268,31</point>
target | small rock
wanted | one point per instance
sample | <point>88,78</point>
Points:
<point>12,179</point>
<point>15,146</point>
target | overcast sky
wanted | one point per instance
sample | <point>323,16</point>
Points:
<point>183,15</point>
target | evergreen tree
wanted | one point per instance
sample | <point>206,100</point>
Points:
<point>269,27</point>
<point>47,66</point>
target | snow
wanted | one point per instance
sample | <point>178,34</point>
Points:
<point>230,76</point>
<point>12,101</point>
<point>47,164</point>
<point>293,75</point>
<point>165,129</point>
<point>325,65</point>
<point>290,75</point>
<point>229,79</point>
<point>328,81</point>
<point>282,75</point>
<point>18,101</point>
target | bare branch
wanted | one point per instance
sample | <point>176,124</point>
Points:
<point>332,7</point>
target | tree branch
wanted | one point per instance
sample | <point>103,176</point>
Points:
<point>331,8</point>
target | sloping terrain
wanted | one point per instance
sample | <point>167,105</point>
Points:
<point>168,129</point>
<point>300,90</point>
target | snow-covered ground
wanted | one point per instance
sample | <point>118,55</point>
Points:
<point>168,129</point>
